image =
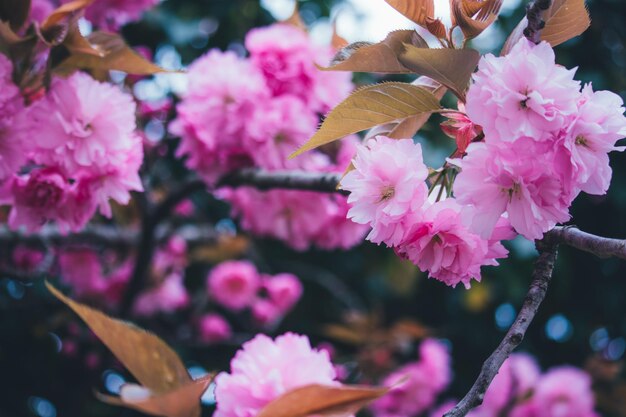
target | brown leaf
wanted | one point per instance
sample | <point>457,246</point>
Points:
<point>381,57</point>
<point>436,28</point>
<point>295,19</point>
<point>114,54</point>
<point>416,10</point>
<point>565,20</point>
<point>371,106</point>
<point>337,42</point>
<point>65,11</point>
<point>320,400</point>
<point>15,12</point>
<point>480,18</point>
<point>183,401</point>
<point>148,358</point>
<point>452,68</point>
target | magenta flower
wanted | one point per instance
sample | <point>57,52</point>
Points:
<point>110,15</point>
<point>213,328</point>
<point>284,291</point>
<point>264,369</point>
<point>234,284</point>
<point>13,145</point>
<point>167,297</point>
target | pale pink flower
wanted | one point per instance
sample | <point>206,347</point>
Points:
<point>84,123</point>
<point>169,296</point>
<point>562,392</point>
<point>597,125</point>
<point>386,186</point>
<point>26,258</point>
<point>234,284</point>
<point>212,116</point>
<point>415,385</point>
<point>522,180</point>
<point>284,290</point>
<point>213,328</point>
<point>339,232</point>
<point>282,214</point>
<point>264,369</point>
<point>286,57</point>
<point>522,94</point>
<point>440,242</point>
<point>276,129</point>
<point>110,15</point>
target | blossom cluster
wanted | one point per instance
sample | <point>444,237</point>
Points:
<point>254,112</point>
<point>68,154</point>
<point>237,286</point>
<point>107,15</point>
<point>544,142</point>
<point>521,390</point>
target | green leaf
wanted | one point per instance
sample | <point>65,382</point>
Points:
<point>452,68</point>
<point>381,57</point>
<point>372,106</point>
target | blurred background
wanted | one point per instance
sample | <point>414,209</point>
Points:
<point>352,298</point>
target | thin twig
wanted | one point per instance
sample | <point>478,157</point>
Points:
<point>602,247</point>
<point>542,275</point>
<point>288,180</point>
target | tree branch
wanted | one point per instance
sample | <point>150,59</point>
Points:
<point>288,180</point>
<point>542,276</point>
<point>602,247</point>
<point>534,14</point>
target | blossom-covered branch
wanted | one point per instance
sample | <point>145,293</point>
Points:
<point>542,276</point>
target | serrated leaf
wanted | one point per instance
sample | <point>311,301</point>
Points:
<point>416,10</point>
<point>114,54</point>
<point>321,400</point>
<point>15,12</point>
<point>150,360</point>
<point>183,401</point>
<point>371,106</point>
<point>565,20</point>
<point>474,17</point>
<point>408,127</point>
<point>452,68</point>
<point>381,57</point>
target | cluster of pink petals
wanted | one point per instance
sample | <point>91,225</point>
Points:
<point>520,390</point>
<point>545,141</point>
<point>214,328</point>
<point>256,111</point>
<point>416,385</point>
<point>81,136</point>
<point>84,271</point>
<point>264,369</point>
<point>388,192</point>
<point>237,286</point>
<point>13,146</point>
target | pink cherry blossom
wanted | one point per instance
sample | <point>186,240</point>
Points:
<point>13,145</point>
<point>213,328</point>
<point>81,269</point>
<point>338,232</point>
<point>386,186</point>
<point>286,57</point>
<point>264,369</point>
<point>265,313</point>
<point>234,284</point>
<point>597,125</point>
<point>284,290</point>
<point>40,10</point>
<point>522,180</point>
<point>211,119</point>
<point>522,94</point>
<point>417,384</point>
<point>169,296</point>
